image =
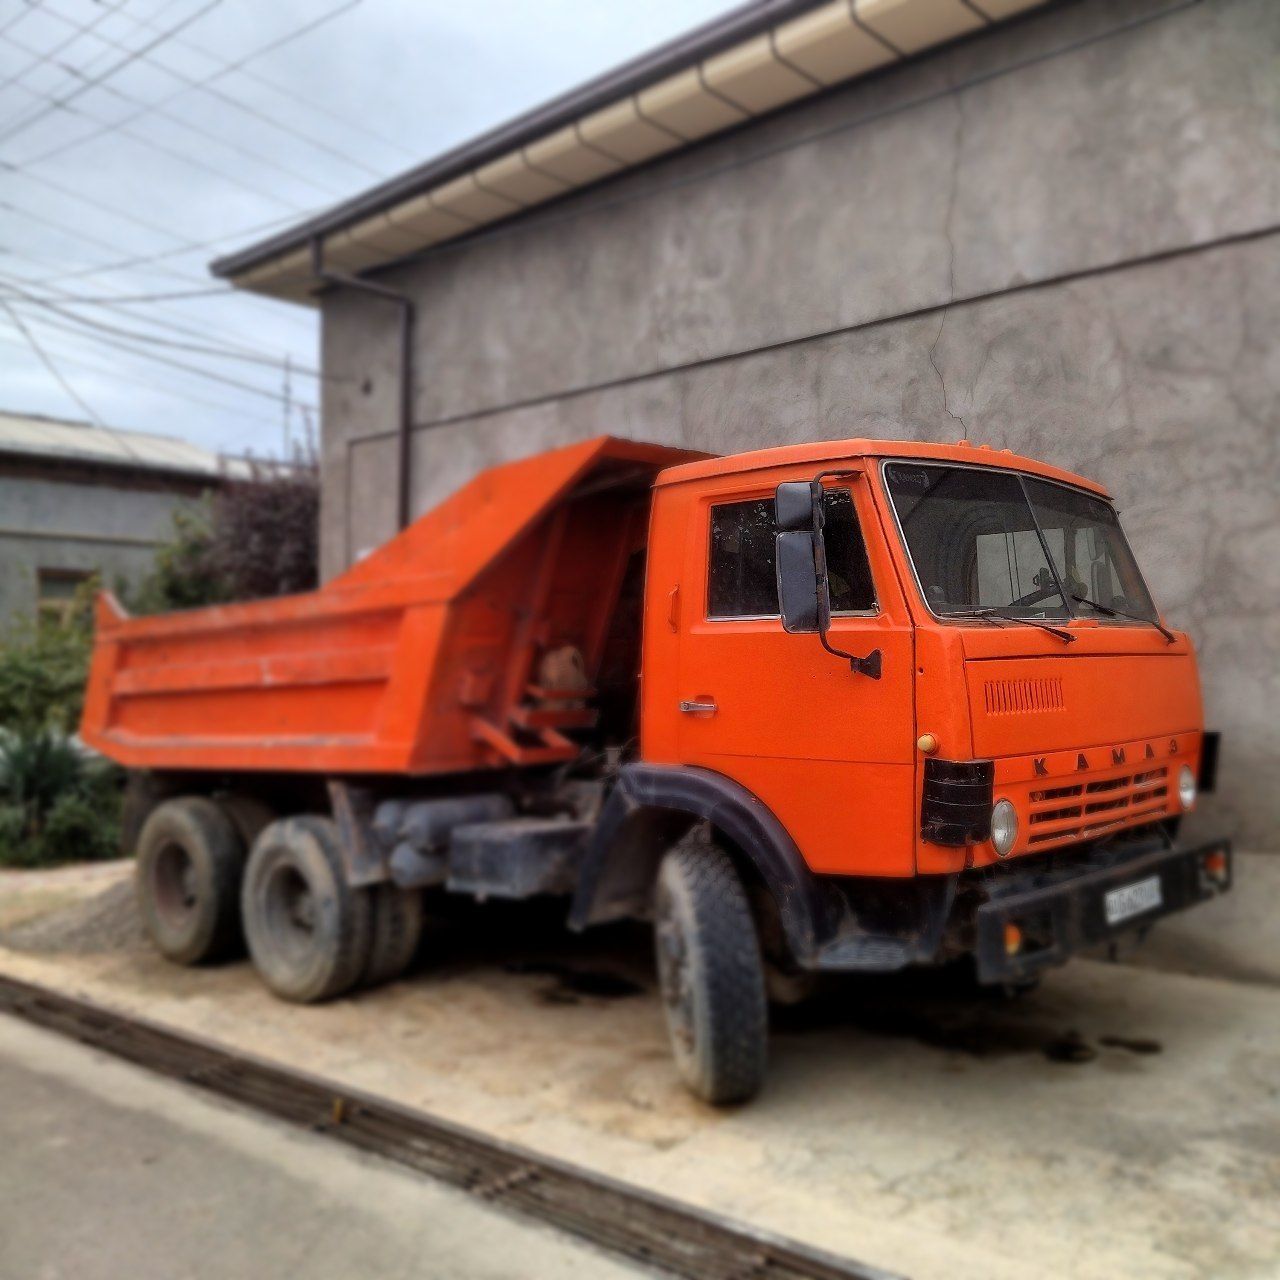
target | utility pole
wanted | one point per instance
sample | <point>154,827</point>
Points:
<point>288,405</point>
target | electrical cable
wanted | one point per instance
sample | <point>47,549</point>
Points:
<point>119,65</point>
<point>81,29</point>
<point>226,70</point>
<point>48,363</point>
<point>162,388</point>
<point>227,99</point>
<point>247,387</point>
<point>223,352</point>
<point>330,191</point>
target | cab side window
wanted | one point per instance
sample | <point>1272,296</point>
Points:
<point>743,567</point>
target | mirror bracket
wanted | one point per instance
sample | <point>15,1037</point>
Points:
<point>789,512</point>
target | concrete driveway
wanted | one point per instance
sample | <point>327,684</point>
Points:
<point>107,1172</point>
<point>1119,1122</point>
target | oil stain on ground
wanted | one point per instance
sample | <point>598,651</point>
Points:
<point>571,983</point>
<point>946,1020</point>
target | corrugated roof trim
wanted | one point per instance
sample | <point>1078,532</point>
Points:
<point>809,51</point>
<point>55,438</point>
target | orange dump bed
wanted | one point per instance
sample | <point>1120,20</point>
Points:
<point>429,656</point>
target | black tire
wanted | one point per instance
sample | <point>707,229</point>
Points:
<point>308,930</point>
<point>249,815</point>
<point>397,930</point>
<point>190,863</point>
<point>710,972</point>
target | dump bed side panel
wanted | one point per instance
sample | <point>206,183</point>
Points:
<point>375,671</point>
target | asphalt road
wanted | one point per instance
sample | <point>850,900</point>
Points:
<point>107,1171</point>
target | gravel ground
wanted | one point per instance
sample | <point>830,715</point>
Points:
<point>106,921</point>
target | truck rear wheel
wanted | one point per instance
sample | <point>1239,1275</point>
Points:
<point>710,972</point>
<point>308,931</point>
<point>190,860</point>
<point>397,930</point>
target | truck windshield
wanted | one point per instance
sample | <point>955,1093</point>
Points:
<point>994,540</point>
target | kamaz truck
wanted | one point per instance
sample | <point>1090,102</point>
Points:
<point>845,707</point>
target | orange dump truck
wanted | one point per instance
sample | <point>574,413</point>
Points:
<point>850,706</point>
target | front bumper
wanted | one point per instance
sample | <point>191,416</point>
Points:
<point>1051,914</point>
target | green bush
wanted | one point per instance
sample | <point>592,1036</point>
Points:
<point>256,536</point>
<point>56,803</point>
<point>43,666</point>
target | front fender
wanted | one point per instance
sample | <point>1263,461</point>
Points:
<point>651,807</point>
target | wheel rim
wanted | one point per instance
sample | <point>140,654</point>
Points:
<point>292,912</point>
<point>676,981</point>
<point>175,886</point>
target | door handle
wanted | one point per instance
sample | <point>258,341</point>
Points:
<point>693,707</point>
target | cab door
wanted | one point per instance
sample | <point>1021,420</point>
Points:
<point>831,752</point>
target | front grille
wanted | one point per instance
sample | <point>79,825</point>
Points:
<point>1085,810</point>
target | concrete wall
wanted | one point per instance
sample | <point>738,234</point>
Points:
<point>1061,237</point>
<point>79,521</point>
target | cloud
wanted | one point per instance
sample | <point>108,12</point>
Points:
<point>108,157</point>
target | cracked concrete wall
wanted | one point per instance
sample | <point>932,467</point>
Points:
<point>1060,237</point>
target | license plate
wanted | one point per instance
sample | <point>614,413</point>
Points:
<point>1132,899</point>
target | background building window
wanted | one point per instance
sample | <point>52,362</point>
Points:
<point>56,591</point>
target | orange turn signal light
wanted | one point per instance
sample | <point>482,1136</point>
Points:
<point>1012,939</point>
<point>1215,864</point>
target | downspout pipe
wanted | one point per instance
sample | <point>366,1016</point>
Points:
<point>404,408</point>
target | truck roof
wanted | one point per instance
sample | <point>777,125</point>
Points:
<point>842,450</point>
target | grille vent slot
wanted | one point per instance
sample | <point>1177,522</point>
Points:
<point>1020,697</point>
<point>1082,810</point>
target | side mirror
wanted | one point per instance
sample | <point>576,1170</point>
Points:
<point>797,507</point>
<point>797,582</point>
<point>804,595</point>
<point>793,506</point>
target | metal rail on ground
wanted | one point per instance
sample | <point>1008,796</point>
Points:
<point>638,1224</point>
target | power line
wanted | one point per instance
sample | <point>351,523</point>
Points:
<point>159,317</point>
<point>77,233</point>
<point>183,157</point>
<point>32,6</point>
<point>89,300</point>
<point>238,148</point>
<point>116,248</point>
<point>226,70</point>
<point>247,387</point>
<point>117,374</point>
<point>81,29</point>
<point>123,264</point>
<point>119,65</point>
<point>193,82</point>
<point>44,359</point>
<point>291,95</point>
<point>222,352</point>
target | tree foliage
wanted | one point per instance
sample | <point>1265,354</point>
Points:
<point>254,537</point>
<point>43,664</point>
<point>56,803</point>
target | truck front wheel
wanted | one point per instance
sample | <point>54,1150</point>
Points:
<point>308,931</point>
<point>190,859</point>
<point>710,972</point>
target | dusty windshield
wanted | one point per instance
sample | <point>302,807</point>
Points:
<point>984,539</point>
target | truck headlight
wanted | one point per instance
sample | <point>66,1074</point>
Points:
<point>1186,786</point>
<point>1004,827</point>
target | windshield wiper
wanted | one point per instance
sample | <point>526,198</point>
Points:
<point>994,615</point>
<point>1133,617</point>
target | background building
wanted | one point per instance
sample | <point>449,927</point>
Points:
<point>76,501</point>
<point>1048,227</point>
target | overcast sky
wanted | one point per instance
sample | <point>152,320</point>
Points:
<point>120,178</point>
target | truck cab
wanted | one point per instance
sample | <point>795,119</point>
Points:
<point>1019,654</point>
<point>844,707</point>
